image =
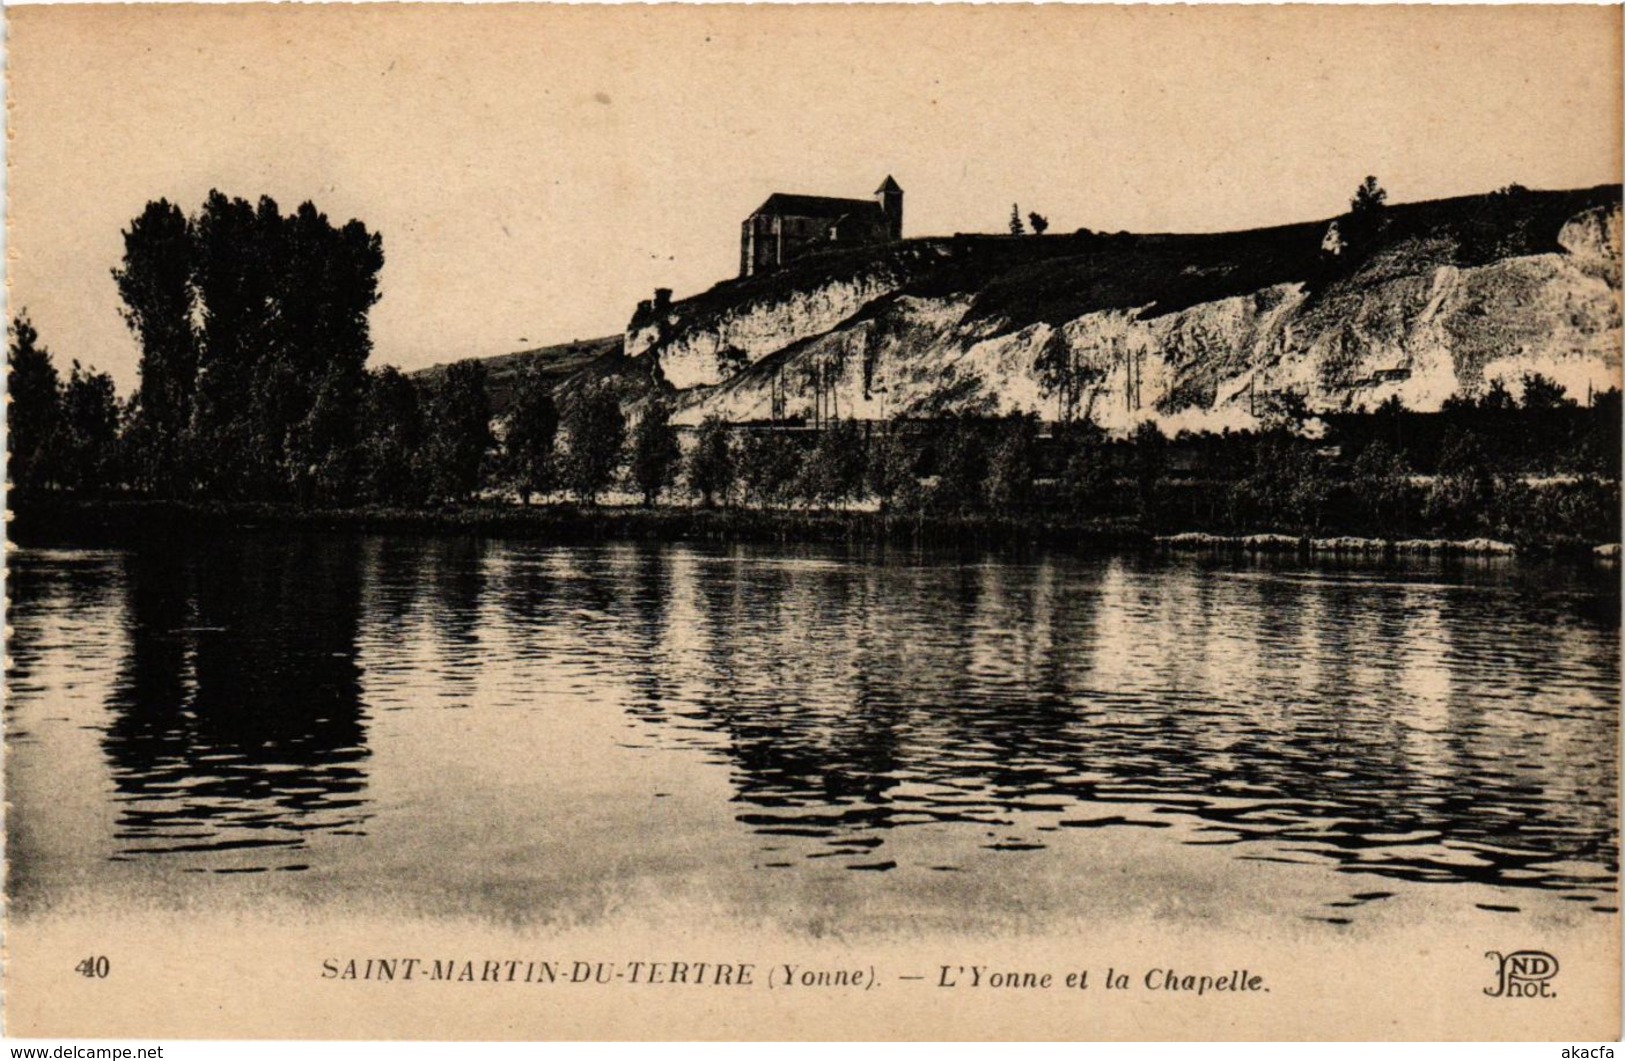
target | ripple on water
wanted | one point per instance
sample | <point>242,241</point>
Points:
<point>1440,725</point>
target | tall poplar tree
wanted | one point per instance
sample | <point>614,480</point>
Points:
<point>155,283</point>
<point>254,335</point>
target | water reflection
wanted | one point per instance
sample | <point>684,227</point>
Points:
<point>265,703</point>
<point>1379,723</point>
<point>235,727</point>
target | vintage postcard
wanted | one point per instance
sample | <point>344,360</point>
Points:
<point>813,522</point>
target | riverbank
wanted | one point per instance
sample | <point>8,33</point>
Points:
<point>94,521</point>
<point>91,521</point>
<point>1346,545</point>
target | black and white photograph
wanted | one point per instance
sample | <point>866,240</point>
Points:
<point>802,522</point>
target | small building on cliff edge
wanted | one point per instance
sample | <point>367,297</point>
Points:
<point>785,227</point>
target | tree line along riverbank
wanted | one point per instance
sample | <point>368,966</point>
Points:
<point>1499,477</point>
<point>1536,473</point>
<point>255,403</point>
<point>103,522</point>
<point>113,522</point>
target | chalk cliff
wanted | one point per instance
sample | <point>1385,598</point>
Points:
<point>1199,331</point>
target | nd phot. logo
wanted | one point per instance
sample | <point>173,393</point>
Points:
<point>1522,974</point>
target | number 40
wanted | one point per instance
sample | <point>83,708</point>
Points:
<point>96,967</point>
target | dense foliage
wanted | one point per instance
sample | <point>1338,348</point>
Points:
<point>655,452</point>
<point>254,337</point>
<point>59,434</point>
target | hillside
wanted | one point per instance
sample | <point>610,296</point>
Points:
<point>1193,331</point>
<point>558,363</point>
<point>1200,331</point>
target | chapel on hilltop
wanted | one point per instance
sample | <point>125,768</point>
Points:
<point>785,227</point>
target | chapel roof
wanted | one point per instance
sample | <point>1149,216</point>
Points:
<point>783,204</point>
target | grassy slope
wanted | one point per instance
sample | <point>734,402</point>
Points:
<point>1174,272</point>
<point>558,363</point>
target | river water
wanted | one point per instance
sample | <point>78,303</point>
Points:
<point>817,738</point>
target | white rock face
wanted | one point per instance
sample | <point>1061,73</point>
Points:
<point>1592,238</point>
<point>1421,333</point>
<point>693,356</point>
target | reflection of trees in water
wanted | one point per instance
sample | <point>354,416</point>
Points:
<point>38,588</point>
<point>856,698</point>
<point>394,569</point>
<point>777,652</point>
<point>649,602</point>
<point>236,722</point>
<point>527,593</point>
<point>456,578</point>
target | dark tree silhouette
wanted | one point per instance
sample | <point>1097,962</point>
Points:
<point>1369,197</point>
<point>34,407</point>
<point>531,430</point>
<point>1497,397</point>
<point>1014,463</point>
<point>711,464</point>
<point>85,447</point>
<point>391,438</point>
<point>768,467</point>
<point>890,469</point>
<point>254,338</point>
<point>961,467</point>
<point>833,472</point>
<point>1366,215</point>
<point>1016,227</point>
<point>460,431</point>
<point>1087,484</point>
<point>1150,465</point>
<point>155,283</point>
<point>326,289</point>
<point>321,445</point>
<point>1379,480</point>
<point>654,452</point>
<point>1460,497</point>
<point>1039,223</point>
<point>244,396</point>
<point>597,430</point>
<point>1541,393</point>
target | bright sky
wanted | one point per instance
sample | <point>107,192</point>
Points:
<point>535,171</point>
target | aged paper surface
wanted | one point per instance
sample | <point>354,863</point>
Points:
<point>541,796</point>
